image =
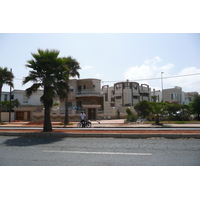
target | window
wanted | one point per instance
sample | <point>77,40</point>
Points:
<point>93,86</point>
<point>79,104</point>
<point>118,97</point>
<point>25,99</point>
<point>176,96</point>
<point>172,96</point>
<point>126,85</point>
<point>135,86</point>
<point>106,97</point>
<point>84,87</point>
<point>5,97</point>
<point>71,88</point>
<point>118,87</point>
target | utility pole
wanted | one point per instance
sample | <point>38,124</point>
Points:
<point>10,102</point>
<point>162,84</point>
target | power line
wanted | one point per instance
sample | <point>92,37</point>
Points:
<point>147,79</point>
<point>156,78</point>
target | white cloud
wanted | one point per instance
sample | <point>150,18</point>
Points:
<point>153,61</point>
<point>186,80</point>
<point>151,70</point>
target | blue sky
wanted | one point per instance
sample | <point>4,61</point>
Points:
<point>112,57</point>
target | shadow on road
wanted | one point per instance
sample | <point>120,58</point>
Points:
<point>27,141</point>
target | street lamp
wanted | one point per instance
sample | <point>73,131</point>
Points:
<point>162,84</point>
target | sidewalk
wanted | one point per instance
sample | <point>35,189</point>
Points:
<point>97,131</point>
<point>116,123</point>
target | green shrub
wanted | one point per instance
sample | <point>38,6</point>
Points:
<point>179,122</point>
<point>131,116</point>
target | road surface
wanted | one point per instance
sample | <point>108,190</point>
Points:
<point>27,151</point>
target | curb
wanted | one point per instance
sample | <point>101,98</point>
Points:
<point>102,135</point>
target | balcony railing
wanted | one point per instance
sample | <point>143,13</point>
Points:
<point>88,93</point>
<point>144,91</point>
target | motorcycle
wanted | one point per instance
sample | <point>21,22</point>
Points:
<point>88,124</point>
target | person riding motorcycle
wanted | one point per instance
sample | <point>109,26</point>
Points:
<point>83,119</point>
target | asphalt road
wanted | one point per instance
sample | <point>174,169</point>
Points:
<point>26,151</point>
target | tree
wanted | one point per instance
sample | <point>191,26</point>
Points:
<point>48,72</point>
<point>157,108</point>
<point>143,108</point>
<point>6,106</point>
<point>131,116</point>
<point>195,106</point>
<point>154,98</point>
<point>73,67</point>
<point>6,77</point>
<point>173,109</point>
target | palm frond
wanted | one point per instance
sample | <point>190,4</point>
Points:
<point>29,91</point>
<point>6,77</point>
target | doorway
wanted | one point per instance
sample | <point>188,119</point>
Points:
<point>91,113</point>
<point>21,115</point>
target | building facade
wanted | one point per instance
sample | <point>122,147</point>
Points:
<point>174,95</point>
<point>124,94</point>
<point>97,102</point>
<point>84,95</point>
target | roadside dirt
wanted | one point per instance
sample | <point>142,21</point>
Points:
<point>103,131</point>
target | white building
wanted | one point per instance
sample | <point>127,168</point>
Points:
<point>174,95</point>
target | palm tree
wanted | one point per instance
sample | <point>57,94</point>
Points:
<point>50,73</point>
<point>157,109</point>
<point>73,67</point>
<point>6,77</point>
<point>154,98</point>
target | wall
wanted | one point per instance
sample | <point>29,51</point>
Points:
<point>33,100</point>
<point>167,95</point>
<point>5,116</point>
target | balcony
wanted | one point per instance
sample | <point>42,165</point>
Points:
<point>88,93</point>
<point>144,91</point>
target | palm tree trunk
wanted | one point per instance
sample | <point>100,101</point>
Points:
<point>47,119</point>
<point>66,120</point>
<point>157,120</point>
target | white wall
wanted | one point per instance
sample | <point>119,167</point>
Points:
<point>33,100</point>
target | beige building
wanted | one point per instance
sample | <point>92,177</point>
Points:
<point>97,102</point>
<point>124,94</point>
<point>84,95</point>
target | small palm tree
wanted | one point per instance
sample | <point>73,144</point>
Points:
<point>157,109</point>
<point>73,67</point>
<point>50,73</point>
<point>6,77</point>
<point>154,98</point>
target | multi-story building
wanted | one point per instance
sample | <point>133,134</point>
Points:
<point>84,95</point>
<point>27,105</point>
<point>5,96</point>
<point>98,103</point>
<point>174,95</point>
<point>188,97</point>
<point>124,94</point>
